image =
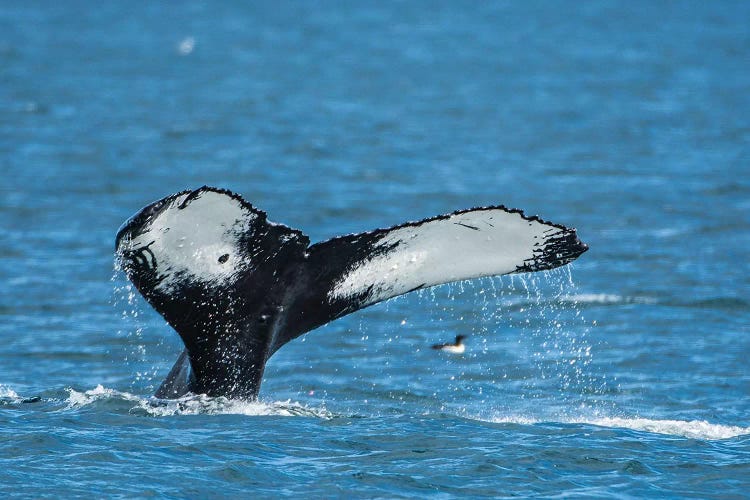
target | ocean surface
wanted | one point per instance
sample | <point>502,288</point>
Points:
<point>623,375</point>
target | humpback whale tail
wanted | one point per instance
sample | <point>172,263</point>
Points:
<point>236,286</point>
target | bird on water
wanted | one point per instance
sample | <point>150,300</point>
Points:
<point>457,347</point>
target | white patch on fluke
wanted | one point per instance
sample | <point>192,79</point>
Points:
<point>198,242</point>
<point>482,242</point>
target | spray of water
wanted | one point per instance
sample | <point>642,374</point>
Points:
<point>528,349</point>
<point>563,354</point>
<point>128,302</point>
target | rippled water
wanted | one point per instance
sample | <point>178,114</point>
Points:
<point>624,375</point>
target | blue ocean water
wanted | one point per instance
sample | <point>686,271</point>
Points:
<point>624,375</point>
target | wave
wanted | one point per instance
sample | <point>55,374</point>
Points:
<point>694,429</point>
<point>6,393</point>
<point>104,397</point>
<point>605,299</point>
<point>610,299</point>
<point>10,397</point>
<point>191,405</point>
<point>580,299</point>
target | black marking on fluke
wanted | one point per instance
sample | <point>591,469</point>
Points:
<point>234,313</point>
<point>557,251</point>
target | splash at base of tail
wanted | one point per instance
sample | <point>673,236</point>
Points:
<point>236,287</point>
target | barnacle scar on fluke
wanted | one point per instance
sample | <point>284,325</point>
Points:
<point>236,287</point>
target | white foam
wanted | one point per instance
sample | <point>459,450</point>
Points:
<point>605,298</point>
<point>695,429</point>
<point>194,405</point>
<point>77,399</point>
<point>203,405</point>
<point>7,392</point>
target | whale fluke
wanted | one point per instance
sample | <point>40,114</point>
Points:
<point>236,286</point>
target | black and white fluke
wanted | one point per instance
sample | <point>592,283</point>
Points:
<point>236,287</point>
